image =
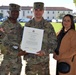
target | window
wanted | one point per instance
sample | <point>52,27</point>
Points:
<point>23,13</point>
<point>1,11</point>
<point>69,12</point>
<point>58,11</point>
<point>28,11</point>
<point>47,17</point>
<point>48,12</point>
<point>53,17</point>
<point>53,12</point>
<point>31,12</point>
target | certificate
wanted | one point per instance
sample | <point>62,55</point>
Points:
<point>32,39</point>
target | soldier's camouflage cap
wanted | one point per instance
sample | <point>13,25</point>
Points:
<point>38,5</point>
<point>13,6</point>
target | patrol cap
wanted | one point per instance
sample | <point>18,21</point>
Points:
<point>38,5</point>
<point>13,6</point>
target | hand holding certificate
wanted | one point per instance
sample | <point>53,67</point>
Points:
<point>32,39</point>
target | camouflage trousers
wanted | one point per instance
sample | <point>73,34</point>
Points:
<point>12,67</point>
<point>37,69</point>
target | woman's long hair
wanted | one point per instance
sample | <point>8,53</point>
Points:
<point>72,21</point>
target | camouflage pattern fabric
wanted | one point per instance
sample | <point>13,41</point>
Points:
<point>12,66</point>
<point>11,42</point>
<point>1,35</point>
<point>38,69</point>
<point>2,48</point>
<point>49,44</point>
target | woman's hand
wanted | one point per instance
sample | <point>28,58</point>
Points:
<point>55,56</point>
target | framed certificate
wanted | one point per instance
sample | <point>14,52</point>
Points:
<point>32,39</point>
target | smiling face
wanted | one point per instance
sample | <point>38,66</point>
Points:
<point>67,22</point>
<point>38,13</point>
<point>14,14</point>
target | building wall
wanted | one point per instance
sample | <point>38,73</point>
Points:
<point>48,14</point>
<point>54,14</point>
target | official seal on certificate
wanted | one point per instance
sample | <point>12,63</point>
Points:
<point>32,39</point>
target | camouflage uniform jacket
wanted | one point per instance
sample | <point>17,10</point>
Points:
<point>13,35</point>
<point>49,42</point>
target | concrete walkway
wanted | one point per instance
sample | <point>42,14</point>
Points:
<point>52,65</point>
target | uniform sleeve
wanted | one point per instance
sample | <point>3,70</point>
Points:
<point>51,39</point>
<point>2,25</point>
<point>2,34</point>
<point>21,31</point>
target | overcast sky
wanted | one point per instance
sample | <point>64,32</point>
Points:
<point>49,3</point>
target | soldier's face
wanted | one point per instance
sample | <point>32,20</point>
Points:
<point>14,14</point>
<point>38,13</point>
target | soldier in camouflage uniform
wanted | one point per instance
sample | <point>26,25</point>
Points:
<point>11,41</point>
<point>38,64</point>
